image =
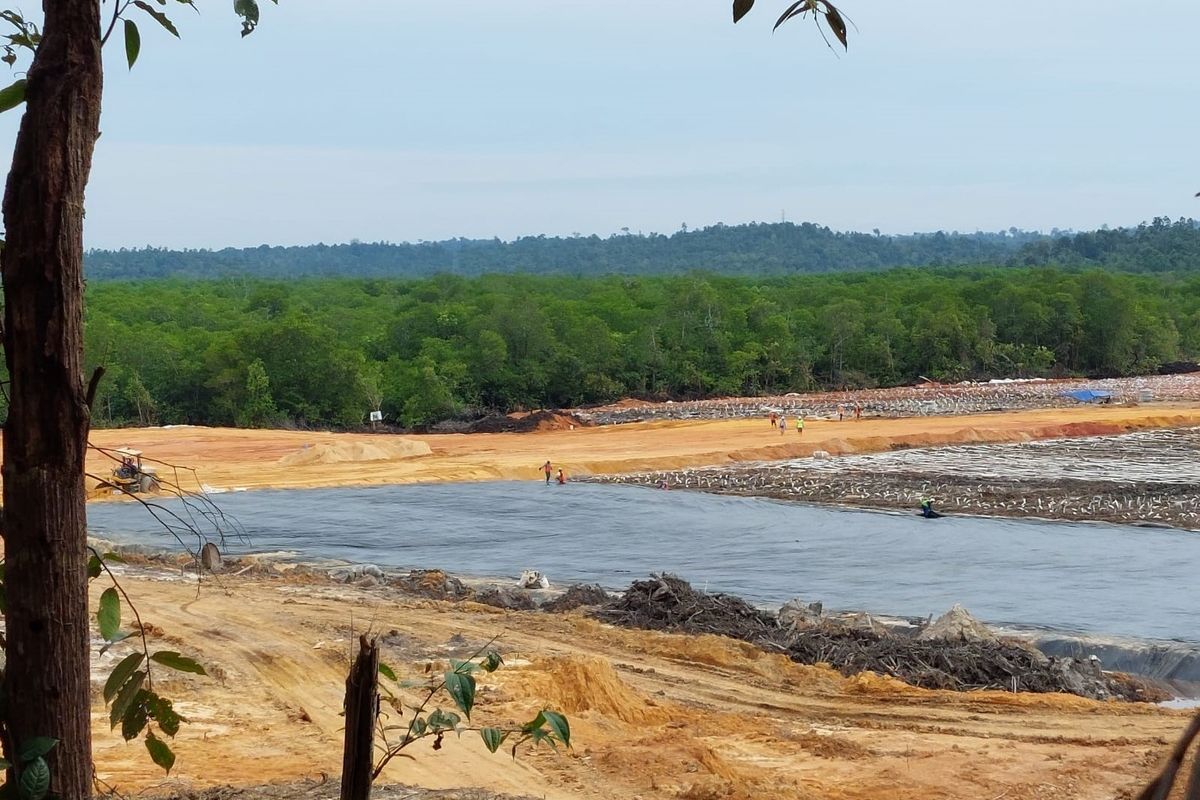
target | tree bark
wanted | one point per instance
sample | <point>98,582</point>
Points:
<point>46,678</point>
<point>362,709</point>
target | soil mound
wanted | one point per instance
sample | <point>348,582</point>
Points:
<point>575,685</point>
<point>507,598</point>
<point>668,603</point>
<point>431,583</point>
<point>1178,368</point>
<point>342,452</point>
<point>579,595</point>
<point>541,420</point>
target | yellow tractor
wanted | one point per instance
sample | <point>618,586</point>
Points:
<point>130,475</point>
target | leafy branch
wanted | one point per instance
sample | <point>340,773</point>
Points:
<point>130,688</point>
<point>459,683</point>
<point>821,10</point>
<point>26,35</point>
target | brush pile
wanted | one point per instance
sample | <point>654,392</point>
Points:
<point>932,661</point>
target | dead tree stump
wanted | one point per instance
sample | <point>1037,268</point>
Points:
<point>362,709</point>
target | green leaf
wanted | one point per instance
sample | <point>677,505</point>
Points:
<point>109,614</point>
<point>164,713</point>
<point>493,738</point>
<point>741,8</point>
<point>443,720</point>
<point>169,658</point>
<point>418,727</point>
<point>542,735</point>
<point>36,747</point>
<point>534,723</point>
<point>461,688</point>
<point>94,568</point>
<point>795,9</point>
<point>133,42</point>
<point>120,674</point>
<point>558,724</point>
<point>135,719</point>
<point>12,96</point>
<point>836,24</point>
<point>160,753</point>
<point>114,557</point>
<point>125,698</point>
<point>5,763</point>
<point>159,17</point>
<point>492,661</point>
<point>464,666</point>
<point>35,780</point>
<point>248,11</point>
<point>387,672</point>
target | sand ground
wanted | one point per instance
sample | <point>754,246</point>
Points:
<point>229,458</point>
<point>654,716</point>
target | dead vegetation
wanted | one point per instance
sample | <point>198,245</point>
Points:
<point>669,603</point>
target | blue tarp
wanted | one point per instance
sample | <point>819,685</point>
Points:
<point>1088,395</point>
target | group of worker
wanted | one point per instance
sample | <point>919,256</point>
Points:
<point>780,421</point>
<point>777,421</point>
<point>548,468</point>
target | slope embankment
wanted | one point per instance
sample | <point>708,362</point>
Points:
<point>653,715</point>
<point>228,459</point>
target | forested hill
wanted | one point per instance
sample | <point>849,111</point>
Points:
<point>754,249</point>
<point>1160,246</point>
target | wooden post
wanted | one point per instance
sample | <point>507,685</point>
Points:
<point>362,709</point>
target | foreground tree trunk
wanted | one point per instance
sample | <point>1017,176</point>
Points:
<point>362,709</point>
<point>46,677</point>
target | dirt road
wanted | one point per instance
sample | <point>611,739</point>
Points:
<point>653,715</point>
<point>229,458</point>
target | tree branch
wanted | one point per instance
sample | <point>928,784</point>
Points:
<point>93,385</point>
<point>133,608</point>
<point>118,10</point>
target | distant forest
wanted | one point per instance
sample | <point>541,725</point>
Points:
<point>757,249</point>
<point>324,352</point>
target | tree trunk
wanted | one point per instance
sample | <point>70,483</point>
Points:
<point>46,678</point>
<point>362,709</point>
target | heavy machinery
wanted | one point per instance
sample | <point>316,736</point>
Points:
<point>131,475</point>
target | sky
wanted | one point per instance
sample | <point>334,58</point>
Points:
<point>403,121</point>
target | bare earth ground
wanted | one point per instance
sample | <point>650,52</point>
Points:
<point>653,715</point>
<point>229,459</point>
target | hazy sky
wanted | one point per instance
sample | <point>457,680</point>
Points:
<point>398,120</point>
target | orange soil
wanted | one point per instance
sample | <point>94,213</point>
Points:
<point>653,716</point>
<point>228,458</point>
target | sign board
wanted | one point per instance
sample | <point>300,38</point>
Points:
<point>376,416</point>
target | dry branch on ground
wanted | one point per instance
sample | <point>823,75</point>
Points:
<point>669,603</point>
